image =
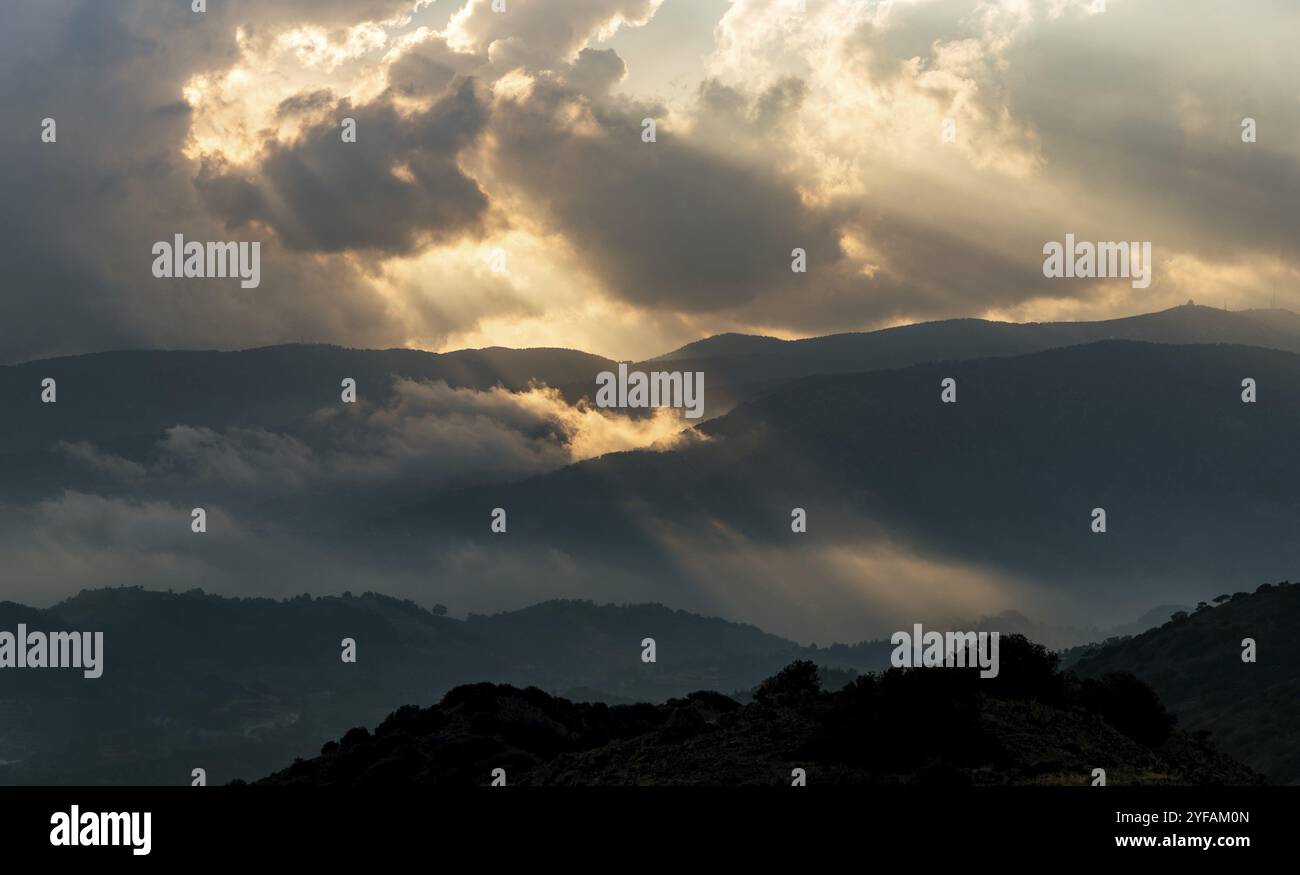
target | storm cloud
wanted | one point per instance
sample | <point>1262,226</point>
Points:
<point>520,133</point>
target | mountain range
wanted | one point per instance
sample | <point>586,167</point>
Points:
<point>114,396</point>
<point>916,510</point>
<point>970,509</point>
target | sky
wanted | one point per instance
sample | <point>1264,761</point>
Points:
<point>500,191</point>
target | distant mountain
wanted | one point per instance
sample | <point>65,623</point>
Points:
<point>1194,662</point>
<point>122,403</point>
<point>1157,616</point>
<point>739,366</point>
<point>1066,637</point>
<point>116,395</point>
<point>239,685</point>
<point>1030,725</point>
<point>123,398</point>
<point>980,338</point>
<point>1002,482</point>
<point>1198,487</point>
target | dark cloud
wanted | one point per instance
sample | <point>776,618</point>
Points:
<point>1157,133</point>
<point>79,216</point>
<point>396,189</point>
<point>595,72</point>
<point>428,68</point>
<point>669,224</point>
<point>306,102</point>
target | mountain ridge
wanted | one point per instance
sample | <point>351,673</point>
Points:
<point>1102,329</point>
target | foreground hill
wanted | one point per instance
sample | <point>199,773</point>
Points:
<point>1194,662</point>
<point>240,685</point>
<point>1030,725</point>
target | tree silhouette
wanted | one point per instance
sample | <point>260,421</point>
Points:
<point>791,685</point>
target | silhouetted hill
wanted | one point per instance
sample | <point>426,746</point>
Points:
<point>1029,725</point>
<point>238,685</point>
<point>1194,662</point>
